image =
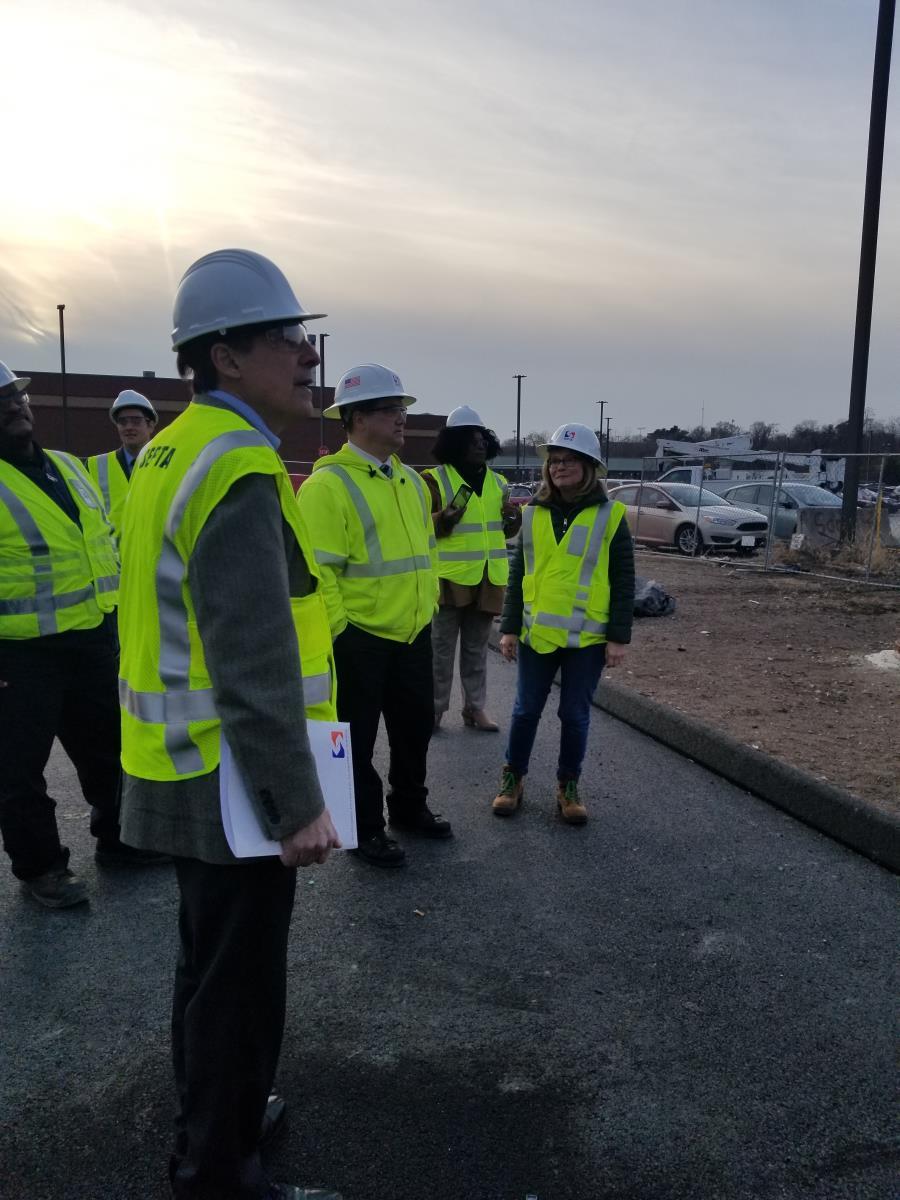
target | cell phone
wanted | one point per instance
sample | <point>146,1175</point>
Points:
<point>461,499</point>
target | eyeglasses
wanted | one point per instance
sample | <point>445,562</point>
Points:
<point>393,409</point>
<point>137,420</point>
<point>289,337</point>
<point>20,399</point>
<point>568,461</point>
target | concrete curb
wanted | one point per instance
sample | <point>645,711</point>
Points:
<point>830,809</point>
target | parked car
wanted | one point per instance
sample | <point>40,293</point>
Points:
<point>792,497</point>
<point>683,516</point>
<point>519,494</point>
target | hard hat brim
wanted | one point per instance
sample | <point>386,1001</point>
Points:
<point>20,383</point>
<point>544,449</point>
<point>333,411</point>
<point>223,327</point>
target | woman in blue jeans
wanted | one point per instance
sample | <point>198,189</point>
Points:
<point>568,608</point>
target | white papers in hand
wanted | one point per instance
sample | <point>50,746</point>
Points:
<point>330,745</point>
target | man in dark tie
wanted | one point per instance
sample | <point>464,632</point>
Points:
<point>369,516</point>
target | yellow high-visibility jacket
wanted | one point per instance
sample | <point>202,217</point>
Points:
<point>112,484</point>
<point>477,538</point>
<point>565,587</point>
<point>170,726</point>
<point>374,544</point>
<point>53,575</point>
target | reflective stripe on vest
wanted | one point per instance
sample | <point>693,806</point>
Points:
<point>45,604</point>
<point>103,479</point>
<point>463,528</point>
<point>579,545</point>
<point>378,566</point>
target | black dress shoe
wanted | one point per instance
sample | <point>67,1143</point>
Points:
<point>273,1119</point>
<point>424,822</point>
<point>381,851</point>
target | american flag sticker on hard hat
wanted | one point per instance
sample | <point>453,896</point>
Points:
<point>353,381</point>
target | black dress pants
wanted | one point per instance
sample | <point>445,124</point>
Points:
<point>66,686</point>
<point>227,1021</point>
<point>376,677</point>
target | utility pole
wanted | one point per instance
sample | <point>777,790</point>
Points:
<point>61,308</point>
<point>518,379</point>
<point>608,420</point>
<point>602,404</point>
<point>868,251</point>
<point>320,346</point>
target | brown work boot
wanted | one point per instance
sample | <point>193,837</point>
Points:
<point>508,799</point>
<point>571,808</point>
<point>477,718</point>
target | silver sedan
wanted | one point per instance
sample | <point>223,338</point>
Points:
<point>680,515</point>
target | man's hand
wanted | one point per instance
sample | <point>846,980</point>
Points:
<point>311,844</point>
<point>615,654</point>
<point>509,644</point>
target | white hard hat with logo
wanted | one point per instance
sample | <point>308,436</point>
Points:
<point>371,381</point>
<point>131,399</point>
<point>230,288</point>
<point>464,416</point>
<point>9,378</point>
<point>573,436</point>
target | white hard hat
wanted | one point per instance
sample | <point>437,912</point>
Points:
<point>131,399</point>
<point>573,436</point>
<point>230,288</point>
<point>7,377</point>
<point>370,381</point>
<point>464,416</point>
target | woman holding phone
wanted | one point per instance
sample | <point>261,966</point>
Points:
<point>472,520</point>
<point>568,608</point>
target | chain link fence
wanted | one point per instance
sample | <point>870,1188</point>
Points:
<point>780,511</point>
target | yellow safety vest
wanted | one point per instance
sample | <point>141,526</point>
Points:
<point>477,538</point>
<point>53,575</point>
<point>170,725</point>
<point>112,484</point>
<point>565,587</point>
<point>375,538</point>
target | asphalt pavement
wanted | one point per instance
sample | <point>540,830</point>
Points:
<point>692,996</point>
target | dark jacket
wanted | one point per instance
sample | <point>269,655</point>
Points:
<point>621,570</point>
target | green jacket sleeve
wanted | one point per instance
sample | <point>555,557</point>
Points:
<point>322,510</point>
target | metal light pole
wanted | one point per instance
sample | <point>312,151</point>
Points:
<point>60,308</point>
<point>871,208</point>
<point>608,420</point>
<point>518,379</point>
<point>320,345</point>
<point>602,404</point>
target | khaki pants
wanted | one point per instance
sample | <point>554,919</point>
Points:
<point>472,627</point>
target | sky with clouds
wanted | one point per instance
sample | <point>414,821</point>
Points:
<point>653,202</point>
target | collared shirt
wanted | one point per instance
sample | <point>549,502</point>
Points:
<point>380,463</point>
<point>250,415</point>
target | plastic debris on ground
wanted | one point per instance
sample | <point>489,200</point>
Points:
<point>651,599</point>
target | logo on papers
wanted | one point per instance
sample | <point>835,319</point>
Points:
<point>337,744</point>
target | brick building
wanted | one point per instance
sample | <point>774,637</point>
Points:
<point>88,399</point>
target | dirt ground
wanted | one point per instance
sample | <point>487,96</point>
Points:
<point>778,662</point>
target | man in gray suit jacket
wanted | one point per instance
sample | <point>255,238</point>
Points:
<point>244,566</point>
